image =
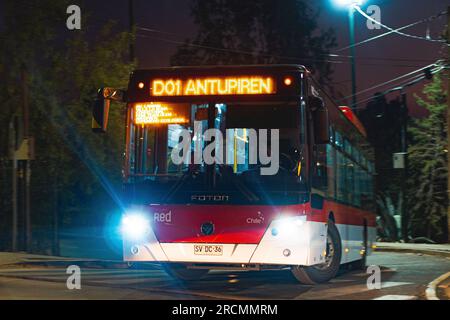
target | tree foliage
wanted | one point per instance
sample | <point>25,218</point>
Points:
<point>75,172</point>
<point>383,121</point>
<point>256,32</point>
<point>428,152</point>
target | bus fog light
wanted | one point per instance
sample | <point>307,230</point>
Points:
<point>134,250</point>
<point>286,252</point>
<point>274,232</point>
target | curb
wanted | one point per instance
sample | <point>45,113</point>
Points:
<point>421,251</point>
<point>89,264</point>
<point>94,264</point>
<point>430,292</point>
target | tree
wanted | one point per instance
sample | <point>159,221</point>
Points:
<point>428,165</point>
<point>256,32</point>
<point>383,123</point>
<point>75,173</point>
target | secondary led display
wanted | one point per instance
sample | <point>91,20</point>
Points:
<point>149,113</point>
<point>213,86</point>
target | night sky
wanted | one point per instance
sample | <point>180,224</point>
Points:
<point>377,61</point>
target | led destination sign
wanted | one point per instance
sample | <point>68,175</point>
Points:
<point>213,86</point>
<point>149,113</point>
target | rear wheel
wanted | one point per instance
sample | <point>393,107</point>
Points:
<point>181,272</point>
<point>327,270</point>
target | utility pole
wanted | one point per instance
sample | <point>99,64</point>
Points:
<point>448,125</point>
<point>12,150</point>
<point>55,250</point>
<point>26,163</point>
<point>351,20</point>
<point>404,151</point>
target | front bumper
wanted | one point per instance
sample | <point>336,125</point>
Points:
<point>305,244</point>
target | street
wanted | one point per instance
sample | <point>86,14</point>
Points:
<point>404,276</point>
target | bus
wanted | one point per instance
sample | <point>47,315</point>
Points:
<point>309,209</point>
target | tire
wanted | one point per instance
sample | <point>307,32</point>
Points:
<point>181,272</point>
<point>327,270</point>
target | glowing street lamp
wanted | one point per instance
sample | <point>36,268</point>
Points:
<point>348,3</point>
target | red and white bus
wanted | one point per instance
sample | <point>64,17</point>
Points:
<point>313,215</point>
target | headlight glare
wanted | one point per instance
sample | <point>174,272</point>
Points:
<point>135,226</point>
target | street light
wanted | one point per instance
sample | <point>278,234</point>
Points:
<point>351,4</point>
<point>347,3</point>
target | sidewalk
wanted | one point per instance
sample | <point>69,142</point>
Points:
<point>443,289</point>
<point>8,259</point>
<point>432,249</point>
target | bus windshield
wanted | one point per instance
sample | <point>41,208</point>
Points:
<point>257,152</point>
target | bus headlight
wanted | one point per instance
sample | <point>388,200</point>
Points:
<point>134,226</point>
<point>288,226</point>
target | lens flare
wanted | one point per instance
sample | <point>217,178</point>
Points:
<point>135,226</point>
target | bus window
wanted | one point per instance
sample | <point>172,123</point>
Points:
<point>321,169</point>
<point>340,177</point>
<point>350,177</point>
<point>239,149</point>
<point>357,185</point>
<point>150,148</point>
<point>331,168</point>
<point>338,140</point>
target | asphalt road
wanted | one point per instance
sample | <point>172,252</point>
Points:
<point>404,276</point>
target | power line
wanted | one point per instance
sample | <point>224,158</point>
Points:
<point>375,58</point>
<point>394,30</point>
<point>237,51</point>
<point>410,82</point>
<point>431,18</point>
<point>416,77</point>
<point>331,55</point>
<point>390,81</point>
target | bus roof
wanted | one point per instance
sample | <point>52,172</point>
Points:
<point>222,68</point>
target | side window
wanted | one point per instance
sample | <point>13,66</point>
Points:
<point>341,194</point>
<point>357,186</point>
<point>338,140</point>
<point>320,180</point>
<point>331,170</point>
<point>349,172</point>
<point>371,181</point>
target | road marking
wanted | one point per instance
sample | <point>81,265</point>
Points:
<point>389,284</point>
<point>341,280</point>
<point>395,297</point>
<point>327,292</point>
<point>430,293</point>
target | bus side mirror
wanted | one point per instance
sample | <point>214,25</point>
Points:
<point>100,111</point>
<point>320,120</point>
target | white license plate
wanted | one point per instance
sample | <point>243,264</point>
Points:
<point>208,249</point>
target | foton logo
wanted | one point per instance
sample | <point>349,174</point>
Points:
<point>209,198</point>
<point>162,216</point>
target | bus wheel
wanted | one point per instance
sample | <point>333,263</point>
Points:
<point>181,272</point>
<point>325,271</point>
